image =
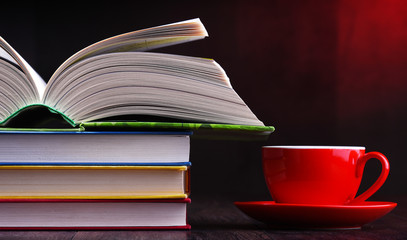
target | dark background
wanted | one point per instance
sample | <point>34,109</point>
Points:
<point>321,72</point>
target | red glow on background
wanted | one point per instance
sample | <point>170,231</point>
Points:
<point>372,56</point>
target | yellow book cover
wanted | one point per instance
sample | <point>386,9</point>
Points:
<point>93,182</point>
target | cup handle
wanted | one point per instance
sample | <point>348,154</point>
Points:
<point>360,165</point>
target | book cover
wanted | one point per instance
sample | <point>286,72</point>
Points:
<point>200,130</point>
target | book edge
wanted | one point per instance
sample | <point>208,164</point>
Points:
<point>176,125</point>
<point>163,227</point>
<point>80,228</point>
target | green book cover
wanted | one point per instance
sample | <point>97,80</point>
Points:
<point>39,117</point>
<point>200,130</point>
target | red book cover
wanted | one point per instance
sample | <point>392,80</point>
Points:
<point>85,214</point>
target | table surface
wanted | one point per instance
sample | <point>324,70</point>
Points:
<point>218,218</point>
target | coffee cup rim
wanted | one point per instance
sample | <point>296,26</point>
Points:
<point>315,147</point>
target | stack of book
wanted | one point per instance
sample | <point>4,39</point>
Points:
<point>105,143</point>
<point>79,180</point>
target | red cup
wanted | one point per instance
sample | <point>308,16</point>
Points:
<point>319,175</point>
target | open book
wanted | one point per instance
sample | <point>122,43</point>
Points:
<point>116,77</point>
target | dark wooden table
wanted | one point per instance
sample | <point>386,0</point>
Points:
<point>218,218</point>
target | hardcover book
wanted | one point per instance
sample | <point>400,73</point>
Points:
<point>82,214</point>
<point>94,148</point>
<point>115,77</point>
<point>93,182</point>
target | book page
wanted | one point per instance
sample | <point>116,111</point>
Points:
<point>141,40</point>
<point>148,84</point>
<point>8,57</point>
<point>35,79</point>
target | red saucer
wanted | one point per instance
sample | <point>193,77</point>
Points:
<point>315,216</point>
